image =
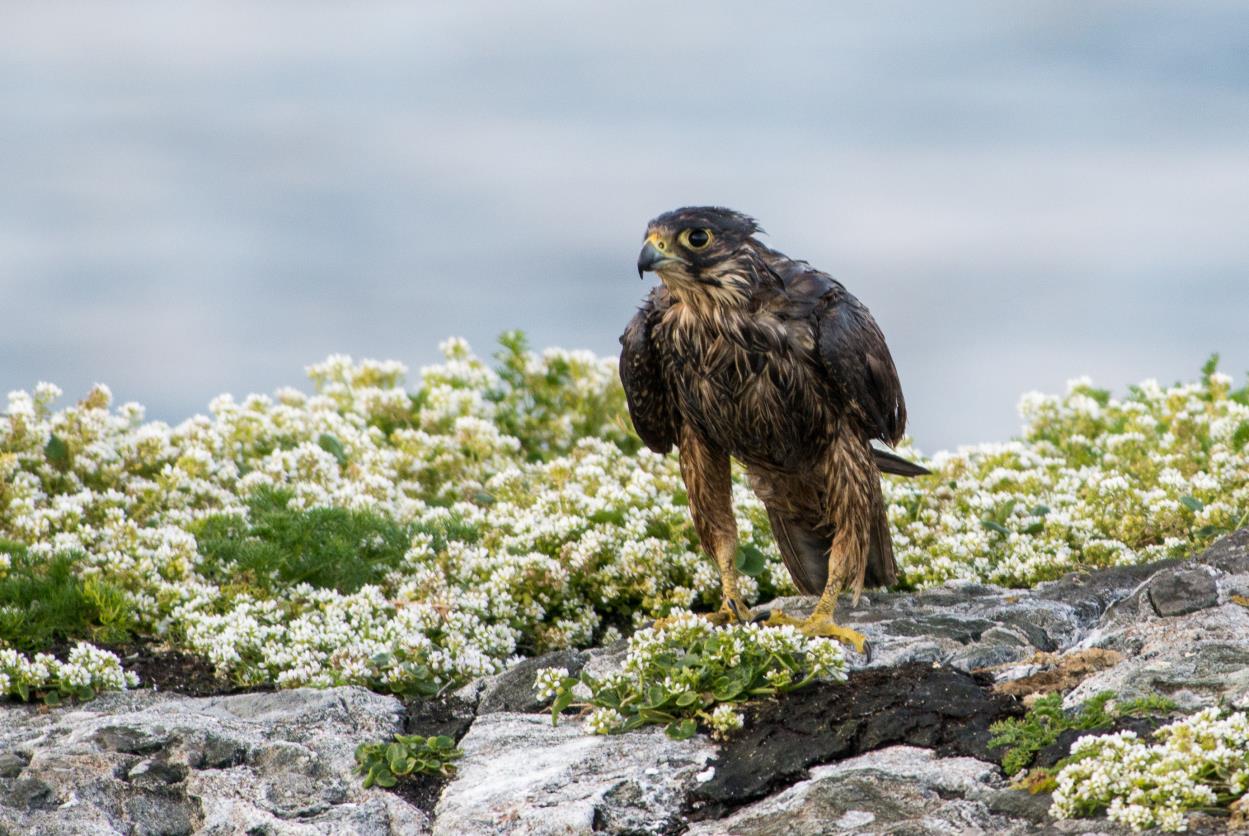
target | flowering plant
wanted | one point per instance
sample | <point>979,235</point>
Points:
<point>408,539</point>
<point>1201,761</point>
<point>687,671</point>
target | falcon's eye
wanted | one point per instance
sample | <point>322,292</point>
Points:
<point>696,239</point>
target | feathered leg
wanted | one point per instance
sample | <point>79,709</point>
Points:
<point>852,488</point>
<point>709,483</point>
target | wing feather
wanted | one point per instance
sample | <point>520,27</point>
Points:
<point>858,363</point>
<point>651,405</point>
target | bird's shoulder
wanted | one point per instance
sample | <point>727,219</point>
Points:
<point>800,291</point>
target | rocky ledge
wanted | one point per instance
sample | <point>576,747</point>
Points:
<point>901,747</point>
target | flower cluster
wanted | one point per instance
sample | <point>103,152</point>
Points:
<point>1093,481</point>
<point>526,515</point>
<point>1201,761</point>
<point>86,671</point>
<point>684,671</point>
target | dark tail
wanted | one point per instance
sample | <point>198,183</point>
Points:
<point>887,462</point>
<point>882,569</point>
<point>805,552</point>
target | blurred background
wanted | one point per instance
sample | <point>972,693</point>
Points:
<point>199,198</point>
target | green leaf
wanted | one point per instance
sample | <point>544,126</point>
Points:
<point>57,452</point>
<point>52,698</point>
<point>994,525</point>
<point>562,700</point>
<point>727,688</point>
<point>686,699</point>
<point>333,446</point>
<point>483,498</point>
<point>441,743</point>
<point>750,560</point>
<point>1040,510</point>
<point>634,722</point>
<point>682,729</point>
<point>656,696</point>
<point>1192,503</point>
<point>1034,528</point>
<point>1241,436</point>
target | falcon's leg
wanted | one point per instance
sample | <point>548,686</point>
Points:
<point>709,483</point>
<point>821,621</point>
<point>852,486</point>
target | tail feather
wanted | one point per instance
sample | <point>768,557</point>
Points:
<point>805,552</point>
<point>890,462</point>
<point>882,569</point>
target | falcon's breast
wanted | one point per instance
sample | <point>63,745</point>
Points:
<point>747,382</point>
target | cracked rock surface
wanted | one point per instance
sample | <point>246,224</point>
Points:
<point>149,763</point>
<point>901,748</point>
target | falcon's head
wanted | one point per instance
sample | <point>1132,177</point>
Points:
<point>701,251</point>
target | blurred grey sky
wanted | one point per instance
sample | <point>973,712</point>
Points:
<point>198,198</point>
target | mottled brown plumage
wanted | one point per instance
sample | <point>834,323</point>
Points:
<point>743,352</point>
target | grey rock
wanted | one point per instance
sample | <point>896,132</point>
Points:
<point>897,790</point>
<point>144,762</point>
<point>12,764</point>
<point>512,690</point>
<point>971,626</point>
<point>521,775</point>
<point>1019,804</point>
<point>1182,592</point>
<point>156,773</point>
<point>1198,656</point>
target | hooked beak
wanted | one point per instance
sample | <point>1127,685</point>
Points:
<point>652,257</point>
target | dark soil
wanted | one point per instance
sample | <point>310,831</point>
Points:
<point>439,715</point>
<point>918,705</point>
<point>162,669</point>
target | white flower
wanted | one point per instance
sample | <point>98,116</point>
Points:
<point>724,721</point>
<point>603,721</point>
<point>548,682</point>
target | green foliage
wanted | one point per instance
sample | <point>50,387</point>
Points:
<point>1046,721</point>
<point>57,452</point>
<point>384,764</point>
<point>750,560</point>
<point>688,671</point>
<point>541,405</point>
<point>329,548</point>
<point>44,603</point>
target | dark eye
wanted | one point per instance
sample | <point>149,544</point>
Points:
<point>697,239</point>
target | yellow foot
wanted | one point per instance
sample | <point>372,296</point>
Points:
<point>730,612</point>
<point>821,625</point>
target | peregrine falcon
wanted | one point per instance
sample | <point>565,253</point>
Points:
<point>743,352</point>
